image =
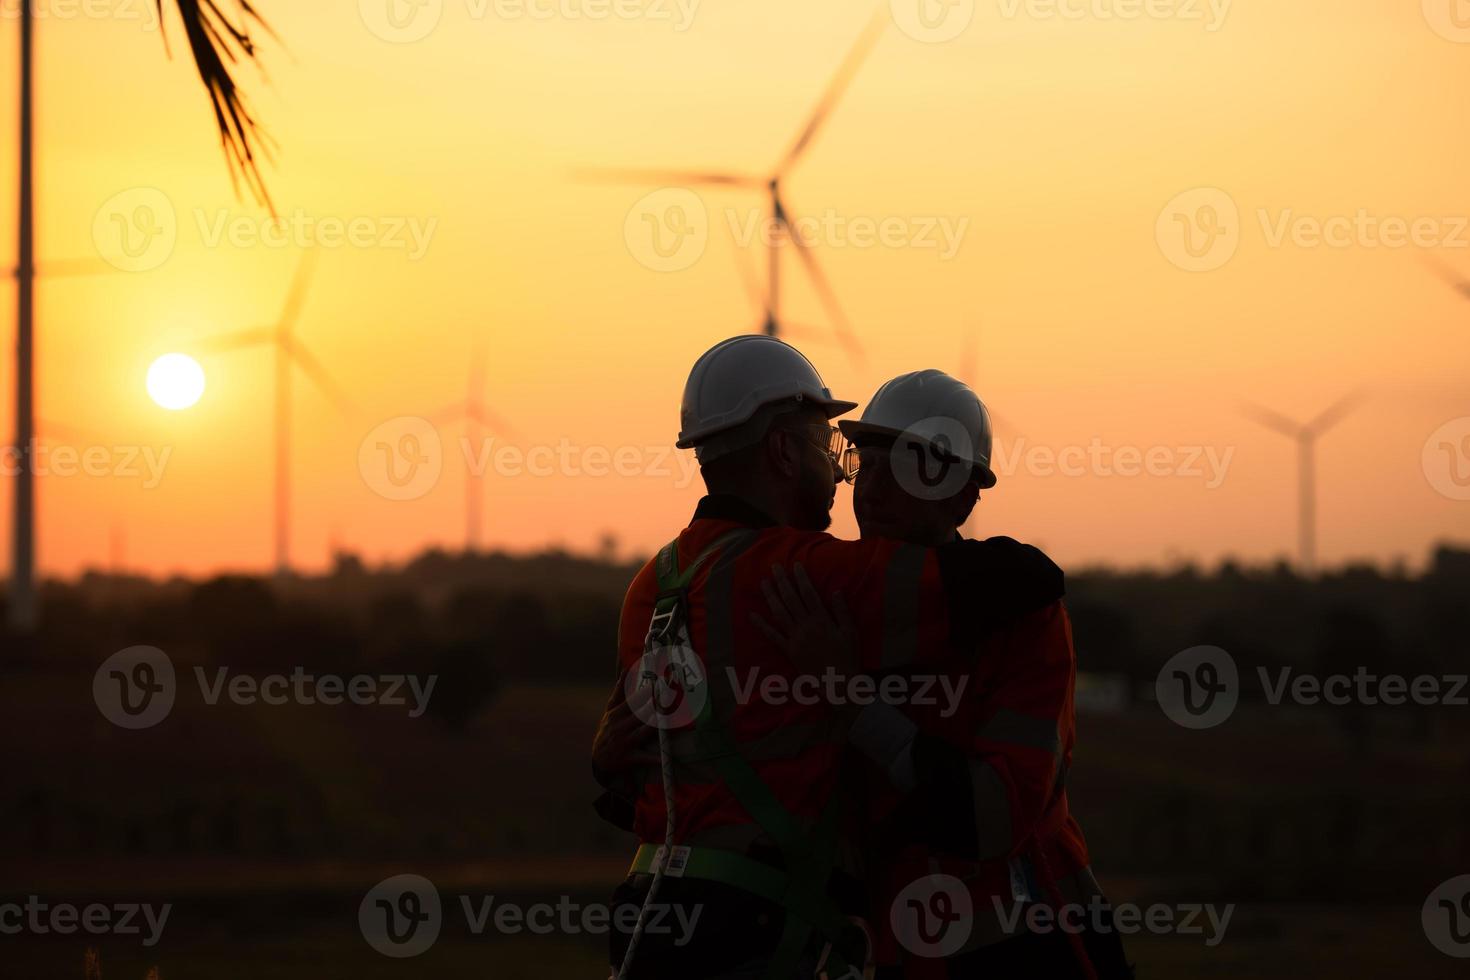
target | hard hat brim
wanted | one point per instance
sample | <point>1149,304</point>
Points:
<point>832,406</point>
<point>855,429</point>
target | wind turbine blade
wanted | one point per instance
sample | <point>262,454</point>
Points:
<point>239,338</point>
<point>462,411</point>
<point>614,175</point>
<point>48,430</point>
<point>837,86</point>
<point>296,294</point>
<point>314,370</point>
<point>967,356</point>
<point>1273,420</point>
<point>808,332</point>
<point>61,268</point>
<point>748,280</point>
<point>1450,277</point>
<point>1002,422</point>
<point>477,369</point>
<point>840,324</point>
<point>492,421</point>
<point>78,267</point>
<point>449,413</point>
<point>1343,407</point>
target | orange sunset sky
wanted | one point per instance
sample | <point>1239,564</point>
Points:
<point>1054,144</point>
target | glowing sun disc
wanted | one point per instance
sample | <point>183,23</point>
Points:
<point>175,381</point>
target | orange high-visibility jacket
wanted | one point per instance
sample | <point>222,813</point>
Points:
<point>906,600</point>
<point>990,807</point>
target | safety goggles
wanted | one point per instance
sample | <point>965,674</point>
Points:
<point>872,455</point>
<point>830,441</point>
<point>855,458</point>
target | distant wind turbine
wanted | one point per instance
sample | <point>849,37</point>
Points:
<point>477,418</point>
<point>288,351</point>
<point>969,373</point>
<point>781,217</point>
<point>1305,436</point>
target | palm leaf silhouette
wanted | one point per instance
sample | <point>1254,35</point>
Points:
<point>219,43</point>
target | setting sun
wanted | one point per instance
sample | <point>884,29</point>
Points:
<point>175,381</point>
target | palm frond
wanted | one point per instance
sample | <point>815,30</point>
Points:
<point>219,43</point>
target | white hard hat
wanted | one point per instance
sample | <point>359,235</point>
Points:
<point>933,407</point>
<point>734,379</point>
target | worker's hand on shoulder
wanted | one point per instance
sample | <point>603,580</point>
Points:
<point>815,632</point>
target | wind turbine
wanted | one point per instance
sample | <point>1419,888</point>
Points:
<point>970,374</point>
<point>788,328</point>
<point>23,568</point>
<point>780,215</point>
<point>281,336</point>
<point>477,418</point>
<point>1305,436</point>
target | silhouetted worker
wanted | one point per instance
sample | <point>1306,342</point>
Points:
<point>972,831</point>
<point>742,819</point>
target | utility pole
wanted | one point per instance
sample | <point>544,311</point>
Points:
<point>23,526</point>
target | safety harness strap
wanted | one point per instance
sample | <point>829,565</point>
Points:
<point>802,890</point>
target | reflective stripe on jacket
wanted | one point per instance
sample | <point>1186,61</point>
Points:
<point>991,805</point>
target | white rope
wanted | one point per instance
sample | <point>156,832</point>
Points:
<point>666,762</point>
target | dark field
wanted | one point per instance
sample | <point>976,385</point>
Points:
<point>265,826</point>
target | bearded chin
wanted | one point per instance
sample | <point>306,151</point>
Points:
<point>817,512</point>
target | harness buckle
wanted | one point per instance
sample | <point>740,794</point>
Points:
<point>663,628</point>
